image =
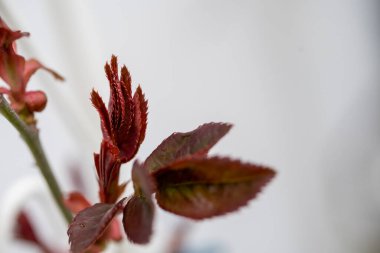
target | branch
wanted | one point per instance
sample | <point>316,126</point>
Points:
<point>31,138</point>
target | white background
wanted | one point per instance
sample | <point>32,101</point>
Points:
<point>299,80</point>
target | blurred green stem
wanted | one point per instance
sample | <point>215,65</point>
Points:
<point>31,138</point>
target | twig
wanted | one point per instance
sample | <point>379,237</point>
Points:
<point>31,138</point>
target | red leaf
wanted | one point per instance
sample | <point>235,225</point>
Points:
<point>125,121</point>
<point>108,169</point>
<point>181,145</point>
<point>97,165</point>
<point>120,104</point>
<point>7,36</point>
<point>143,183</point>
<point>11,70</point>
<point>201,188</point>
<point>127,114</point>
<point>32,65</point>
<point>76,202</point>
<point>103,114</point>
<point>25,231</point>
<point>11,64</point>
<point>141,114</point>
<point>139,212</point>
<point>89,225</point>
<point>16,72</point>
<point>14,69</point>
<point>138,219</point>
<point>130,145</point>
<point>127,80</point>
<point>4,90</point>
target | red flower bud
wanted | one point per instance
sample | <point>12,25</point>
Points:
<point>35,101</point>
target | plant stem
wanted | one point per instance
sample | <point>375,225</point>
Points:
<point>31,138</point>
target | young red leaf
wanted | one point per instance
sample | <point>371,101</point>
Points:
<point>32,65</point>
<point>25,231</point>
<point>124,122</point>
<point>201,187</point>
<point>127,80</point>
<point>120,105</point>
<point>90,224</point>
<point>76,202</point>
<point>11,64</point>
<point>130,145</point>
<point>139,212</point>
<point>108,168</point>
<point>16,72</point>
<point>7,36</point>
<point>143,183</point>
<point>14,69</point>
<point>105,123</point>
<point>4,90</point>
<point>182,145</point>
<point>11,70</point>
<point>138,219</point>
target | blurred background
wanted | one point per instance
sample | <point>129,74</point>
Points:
<point>299,80</point>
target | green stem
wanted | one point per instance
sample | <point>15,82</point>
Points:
<point>31,138</point>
